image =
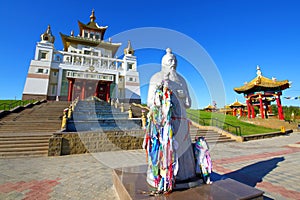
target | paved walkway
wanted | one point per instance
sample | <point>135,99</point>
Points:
<point>269,164</point>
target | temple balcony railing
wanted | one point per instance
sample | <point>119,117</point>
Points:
<point>84,60</point>
<point>89,76</point>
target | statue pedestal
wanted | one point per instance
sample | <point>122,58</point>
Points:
<point>179,185</point>
<point>130,183</point>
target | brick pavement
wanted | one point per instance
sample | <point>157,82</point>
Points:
<point>269,164</point>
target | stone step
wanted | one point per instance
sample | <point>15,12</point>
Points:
<point>27,133</point>
<point>23,138</point>
<point>210,135</point>
<point>100,115</point>
<point>22,148</point>
<point>28,144</point>
<point>8,131</point>
<point>24,154</point>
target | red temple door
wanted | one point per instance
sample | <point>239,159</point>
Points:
<point>102,90</point>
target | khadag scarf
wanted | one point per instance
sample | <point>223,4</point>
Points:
<point>203,159</point>
<point>159,139</point>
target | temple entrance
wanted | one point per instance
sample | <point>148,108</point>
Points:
<point>80,88</point>
<point>102,91</point>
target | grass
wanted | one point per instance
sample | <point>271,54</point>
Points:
<point>246,128</point>
<point>10,104</point>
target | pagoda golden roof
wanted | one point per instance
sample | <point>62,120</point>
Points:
<point>209,107</point>
<point>261,83</point>
<point>92,26</point>
<point>68,40</point>
<point>236,104</point>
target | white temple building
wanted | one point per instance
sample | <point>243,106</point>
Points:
<point>86,67</point>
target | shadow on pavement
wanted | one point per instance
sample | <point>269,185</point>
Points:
<point>251,174</point>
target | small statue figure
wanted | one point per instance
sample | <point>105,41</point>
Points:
<point>203,160</point>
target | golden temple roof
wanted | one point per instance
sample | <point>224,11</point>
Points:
<point>261,83</point>
<point>209,107</point>
<point>67,40</point>
<point>237,104</point>
<point>92,25</point>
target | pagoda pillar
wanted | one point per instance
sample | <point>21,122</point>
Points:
<point>234,111</point>
<point>107,91</point>
<point>252,111</point>
<point>261,107</point>
<point>241,112</point>
<point>279,107</point>
<point>97,89</point>
<point>248,108</point>
<point>70,89</point>
<point>83,90</point>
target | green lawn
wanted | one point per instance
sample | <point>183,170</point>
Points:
<point>246,128</point>
<point>9,104</point>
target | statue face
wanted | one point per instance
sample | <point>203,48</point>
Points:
<point>169,62</point>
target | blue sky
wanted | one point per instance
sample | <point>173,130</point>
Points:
<point>236,34</point>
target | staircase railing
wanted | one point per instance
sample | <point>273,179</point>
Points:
<point>217,123</point>
<point>13,104</point>
<point>141,106</point>
<point>68,114</point>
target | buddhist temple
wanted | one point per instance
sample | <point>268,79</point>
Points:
<point>87,66</point>
<point>260,92</point>
<point>237,108</point>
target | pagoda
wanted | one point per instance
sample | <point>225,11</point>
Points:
<point>260,92</point>
<point>237,108</point>
<point>210,108</point>
<point>87,66</point>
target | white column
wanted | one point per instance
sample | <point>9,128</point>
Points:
<point>60,73</point>
<point>117,85</point>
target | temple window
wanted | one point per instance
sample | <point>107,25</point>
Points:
<point>130,66</point>
<point>92,35</point>
<point>131,79</point>
<point>87,52</point>
<point>43,55</point>
<point>85,34</point>
<point>97,36</point>
<point>40,70</point>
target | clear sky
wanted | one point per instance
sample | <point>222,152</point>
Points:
<point>237,35</point>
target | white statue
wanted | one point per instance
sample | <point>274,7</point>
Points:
<point>180,101</point>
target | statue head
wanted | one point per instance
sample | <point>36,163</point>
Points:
<point>169,61</point>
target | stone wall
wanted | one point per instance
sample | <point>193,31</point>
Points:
<point>90,142</point>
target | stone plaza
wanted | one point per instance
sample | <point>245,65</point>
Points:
<point>270,165</point>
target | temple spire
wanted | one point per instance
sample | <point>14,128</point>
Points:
<point>258,71</point>
<point>93,17</point>
<point>129,49</point>
<point>47,36</point>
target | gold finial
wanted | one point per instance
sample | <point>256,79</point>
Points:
<point>47,35</point>
<point>93,17</point>
<point>48,29</point>
<point>258,70</point>
<point>129,49</point>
